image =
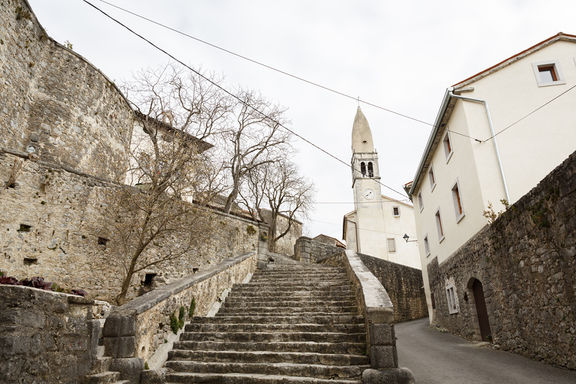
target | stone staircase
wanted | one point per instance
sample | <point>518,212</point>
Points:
<point>292,323</point>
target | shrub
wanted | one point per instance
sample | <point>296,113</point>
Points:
<point>192,308</point>
<point>174,326</point>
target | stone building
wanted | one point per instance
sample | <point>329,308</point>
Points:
<point>65,136</point>
<point>377,225</point>
<point>496,135</point>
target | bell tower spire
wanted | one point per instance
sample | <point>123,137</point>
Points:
<point>367,191</point>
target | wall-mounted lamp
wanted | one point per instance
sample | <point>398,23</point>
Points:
<point>406,237</point>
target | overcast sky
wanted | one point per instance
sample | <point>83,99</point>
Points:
<point>399,55</point>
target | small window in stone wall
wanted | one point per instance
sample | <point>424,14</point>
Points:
<point>433,301</point>
<point>452,298</point>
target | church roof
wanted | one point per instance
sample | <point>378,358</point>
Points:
<point>361,135</point>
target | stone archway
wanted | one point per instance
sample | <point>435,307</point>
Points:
<point>476,288</point>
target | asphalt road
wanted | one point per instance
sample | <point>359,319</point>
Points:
<point>441,358</point>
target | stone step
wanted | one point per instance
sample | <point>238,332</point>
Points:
<point>296,283</point>
<point>269,357</point>
<point>297,305</point>
<point>260,313</point>
<point>288,302</point>
<point>240,378</point>
<point>283,295</point>
<point>286,346</point>
<point>300,276</point>
<point>329,337</point>
<point>283,369</point>
<point>323,290</point>
<point>288,319</point>
<point>279,310</point>
<point>257,327</point>
<point>106,377</point>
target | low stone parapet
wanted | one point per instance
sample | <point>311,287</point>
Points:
<point>134,331</point>
<point>45,336</point>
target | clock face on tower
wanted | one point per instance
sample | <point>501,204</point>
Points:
<point>368,194</point>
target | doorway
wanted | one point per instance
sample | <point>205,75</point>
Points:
<point>481,310</point>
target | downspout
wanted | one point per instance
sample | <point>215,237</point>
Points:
<point>485,103</point>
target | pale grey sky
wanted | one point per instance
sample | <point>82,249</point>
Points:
<point>400,55</point>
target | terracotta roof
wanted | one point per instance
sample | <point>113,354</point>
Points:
<point>558,36</point>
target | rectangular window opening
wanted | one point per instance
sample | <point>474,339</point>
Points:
<point>547,73</point>
<point>457,201</point>
<point>391,245</point>
<point>426,246</point>
<point>439,226</point>
<point>432,178</point>
<point>396,211</point>
<point>420,201</point>
<point>447,146</point>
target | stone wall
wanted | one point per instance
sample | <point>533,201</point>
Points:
<point>526,263</point>
<point>284,245</point>
<point>54,224</point>
<point>55,104</point>
<point>403,284</point>
<point>46,337</point>
<point>308,250</point>
<point>136,329</point>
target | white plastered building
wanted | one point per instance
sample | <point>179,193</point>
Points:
<point>378,224</point>
<point>497,134</point>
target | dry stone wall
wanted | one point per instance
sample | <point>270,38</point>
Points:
<point>526,262</point>
<point>308,250</point>
<point>46,337</point>
<point>54,224</point>
<point>284,245</point>
<point>55,104</point>
<point>404,286</point>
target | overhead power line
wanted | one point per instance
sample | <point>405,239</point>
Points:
<point>296,77</point>
<point>530,113</point>
<point>232,94</point>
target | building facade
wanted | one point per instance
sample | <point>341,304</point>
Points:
<point>497,134</point>
<point>378,224</point>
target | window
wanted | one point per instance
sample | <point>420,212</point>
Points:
<point>547,73</point>
<point>457,202</point>
<point>433,300</point>
<point>426,246</point>
<point>439,226</point>
<point>370,170</point>
<point>363,168</point>
<point>420,202</point>
<point>432,179</point>
<point>391,245</point>
<point>396,211</point>
<point>452,298</point>
<point>447,147</point>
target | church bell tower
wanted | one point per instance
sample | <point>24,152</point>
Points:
<point>370,236</point>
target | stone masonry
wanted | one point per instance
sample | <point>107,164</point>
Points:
<point>308,250</point>
<point>403,284</point>
<point>45,337</point>
<point>526,262</point>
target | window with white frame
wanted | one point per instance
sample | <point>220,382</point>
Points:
<point>548,73</point>
<point>457,199</point>
<point>432,178</point>
<point>391,245</point>
<point>426,245</point>
<point>396,211</point>
<point>439,227</point>
<point>420,201</point>
<point>447,146</point>
<point>452,298</point>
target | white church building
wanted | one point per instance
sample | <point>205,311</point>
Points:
<point>378,224</point>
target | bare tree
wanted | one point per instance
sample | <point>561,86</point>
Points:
<point>279,186</point>
<point>256,139</point>
<point>154,218</point>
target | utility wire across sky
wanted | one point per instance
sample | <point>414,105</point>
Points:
<point>297,78</point>
<point>316,84</point>
<point>233,95</point>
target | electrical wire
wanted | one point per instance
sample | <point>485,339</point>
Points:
<point>231,94</point>
<point>296,77</point>
<point>531,113</point>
